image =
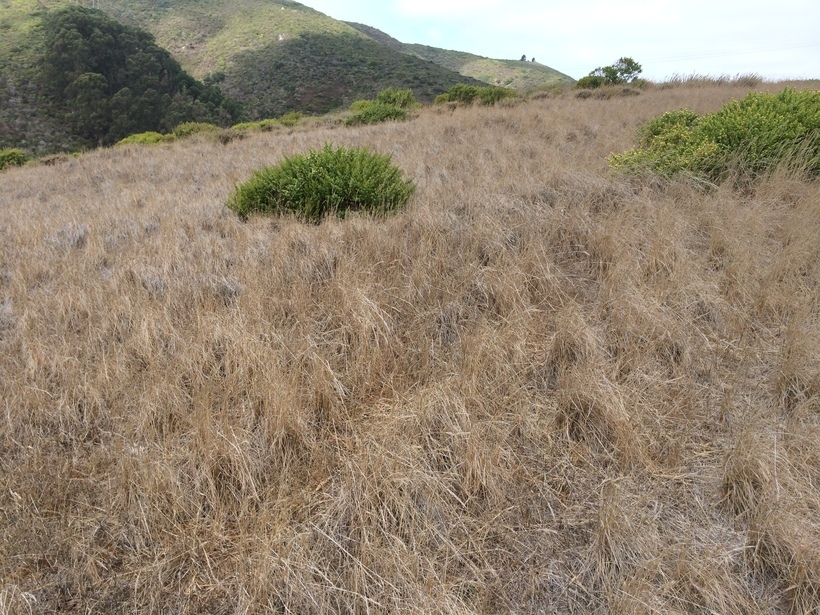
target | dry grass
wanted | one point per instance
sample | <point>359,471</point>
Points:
<point>538,390</point>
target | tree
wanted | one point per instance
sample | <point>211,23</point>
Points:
<point>625,70</point>
<point>111,80</point>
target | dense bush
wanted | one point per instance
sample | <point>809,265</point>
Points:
<point>467,94</point>
<point>262,125</point>
<point>323,182</point>
<point>12,158</point>
<point>375,112</point>
<point>753,135</point>
<point>403,99</point>
<point>590,82</point>
<point>146,138</point>
<point>290,119</point>
<point>191,128</point>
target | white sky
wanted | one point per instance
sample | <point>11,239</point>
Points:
<point>772,38</point>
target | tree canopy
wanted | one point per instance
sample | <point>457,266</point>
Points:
<point>111,80</point>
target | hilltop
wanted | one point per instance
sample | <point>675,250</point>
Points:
<point>515,74</point>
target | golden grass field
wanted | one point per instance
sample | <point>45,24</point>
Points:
<point>539,389</point>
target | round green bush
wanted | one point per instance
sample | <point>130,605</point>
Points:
<point>376,112</point>
<point>328,181</point>
<point>191,128</point>
<point>146,138</point>
<point>754,135</point>
<point>403,99</point>
<point>12,157</point>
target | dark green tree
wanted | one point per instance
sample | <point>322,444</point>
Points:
<point>111,80</point>
<point>625,70</point>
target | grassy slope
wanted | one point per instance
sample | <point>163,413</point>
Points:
<point>539,389</point>
<point>508,73</point>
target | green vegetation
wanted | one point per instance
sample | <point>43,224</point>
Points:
<point>374,112</point>
<point>753,135</point>
<point>192,128</point>
<point>290,119</point>
<point>261,125</point>
<point>12,157</point>
<point>324,182</point>
<point>390,105</point>
<point>146,138</point>
<point>403,99</point>
<point>467,94</point>
<point>625,70</point>
<point>318,73</point>
<point>111,80</point>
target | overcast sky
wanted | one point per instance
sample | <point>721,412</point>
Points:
<point>772,38</point>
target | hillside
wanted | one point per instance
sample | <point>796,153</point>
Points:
<point>513,74</point>
<point>277,56</point>
<point>273,56</point>
<point>541,388</point>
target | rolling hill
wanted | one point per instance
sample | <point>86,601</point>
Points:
<point>273,56</point>
<point>515,74</point>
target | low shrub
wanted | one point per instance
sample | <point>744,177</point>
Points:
<point>12,157</point>
<point>753,135</point>
<point>376,112</point>
<point>146,138</point>
<point>491,95</point>
<point>327,181</point>
<point>590,82</point>
<point>262,125</point>
<point>403,99</point>
<point>467,94</point>
<point>191,128</point>
<point>289,119</point>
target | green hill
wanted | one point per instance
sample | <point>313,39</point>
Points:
<point>274,56</point>
<point>277,56</point>
<point>515,74</point>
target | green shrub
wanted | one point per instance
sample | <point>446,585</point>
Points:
<point>590,82</point>
<point>468,94</point>
<point>403,99</point>
<point>323,182</point>
<point>490,95</point>
<point>754,135</point>
<point>146,138</point>
<point>262,125</point>
<point>462,93</point>
<point>12,158</point>
<point>289,119</point>
<point>376,112</point>
<point>360,104</point>
<point>191,128</point>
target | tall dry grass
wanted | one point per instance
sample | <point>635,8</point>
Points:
<point>540,389</point>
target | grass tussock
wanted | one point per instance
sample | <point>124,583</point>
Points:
<point>538,388</point>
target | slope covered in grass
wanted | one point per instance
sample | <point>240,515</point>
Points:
<point>537,389</point>
<point>515,74</point>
